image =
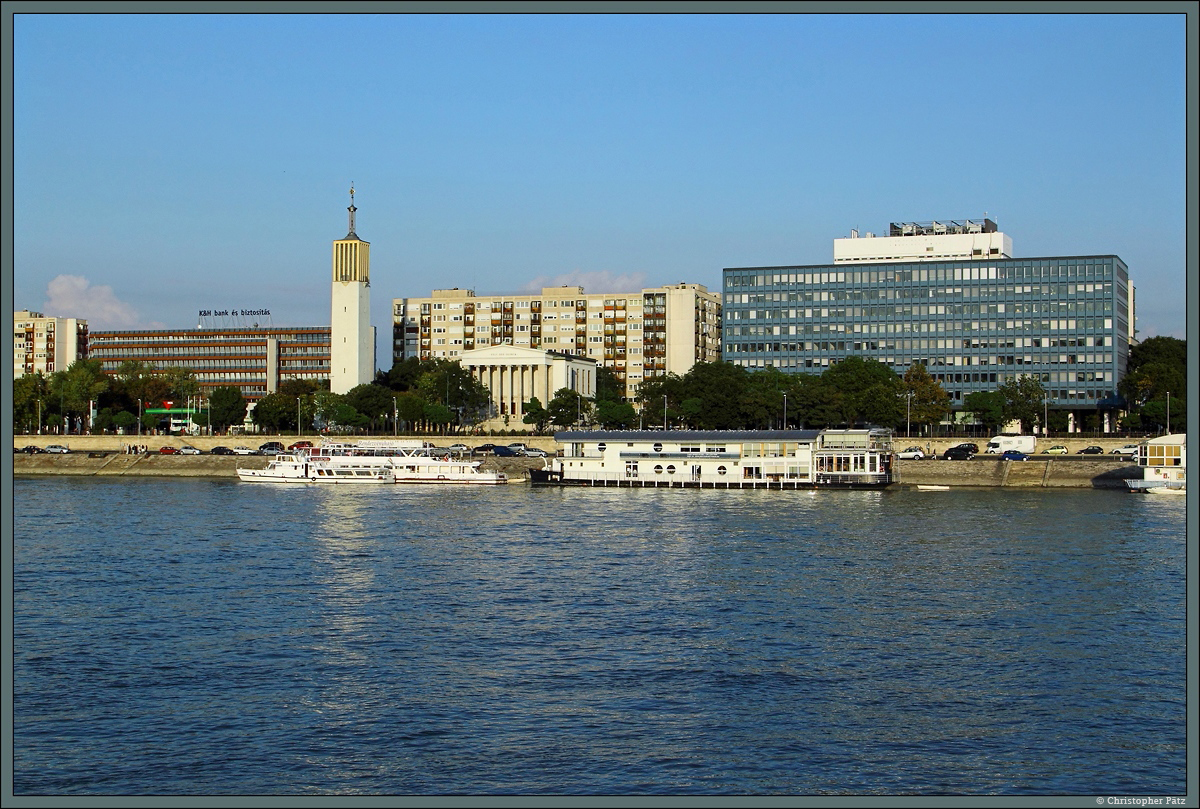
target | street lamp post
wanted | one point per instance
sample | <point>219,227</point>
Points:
<point>1168,412</point>
<point>297,416</point>
<point>785,411</point>
<point>664,413</point>
<point>139,418</point>
<point>395,418</point>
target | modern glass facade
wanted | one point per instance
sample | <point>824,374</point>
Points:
<point>974,324</point>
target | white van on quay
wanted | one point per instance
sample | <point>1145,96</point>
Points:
<point>1000,444</point>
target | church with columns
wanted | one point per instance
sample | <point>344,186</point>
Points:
<point>514,375</point>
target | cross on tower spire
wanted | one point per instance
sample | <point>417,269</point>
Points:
<point>351,209</point>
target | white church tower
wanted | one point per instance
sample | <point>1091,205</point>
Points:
<point>352,340</point>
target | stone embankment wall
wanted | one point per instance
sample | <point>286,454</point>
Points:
<point>1102,473</point>
<point>99,462</point>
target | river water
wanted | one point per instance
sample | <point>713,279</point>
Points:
<point>205,637</point>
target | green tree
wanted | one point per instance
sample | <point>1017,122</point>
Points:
<point>227,406</point>
<point>125,421</point>
<point>869,391</point>
<point>410,408</point>
<point>535,414</point>
<point>447,382</point>
<point>1157,367</point>
<point>567,408</point>
<point>926,401</point>
<point>1024,401</point>
<point>371,400</point>
<point>73,390</point>
<point>275,413</point>
<point>29,402</point>
<point>439,415</point>
<point>613,415</point>
<point>609,387</point>
<point>653,392</point>
<point>988,408</point>
<point>721,389</point>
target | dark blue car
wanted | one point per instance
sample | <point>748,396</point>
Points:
<point>1014,455</point>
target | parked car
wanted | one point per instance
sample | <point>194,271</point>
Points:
<point>1092,450</point>
<point>459,448</point>
<point>506,452</point>
<point>911,454</point>
<point>32,449</point>
<point>187,449</point>
<point>969,446</point>
<point>1013,455</point>
<point>57,448</point>
<point>221,451</point>
<point>1128,449</point>
<point>536,452</point>
<point>485,448</point>
<point>1057,449</point>
<point>300,445</point>
<point>959,453</point>
<point>518,446</point>
<point>168,451</point>
<point>239,450</point>
<point>270,448</point>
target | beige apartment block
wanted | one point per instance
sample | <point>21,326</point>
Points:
<point>638,335</point>
<point>43,345</point>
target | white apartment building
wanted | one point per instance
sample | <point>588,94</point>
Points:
<point>638,335</point>
<point>43,345</point>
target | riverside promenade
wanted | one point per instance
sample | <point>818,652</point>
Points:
<point>102,455</point>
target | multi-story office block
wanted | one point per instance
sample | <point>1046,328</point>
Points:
<point>639,335</point>
<point>256,360</point>
<point>43,345</point>
<point>973,322</point>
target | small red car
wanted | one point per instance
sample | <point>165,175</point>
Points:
<point>168,451</point>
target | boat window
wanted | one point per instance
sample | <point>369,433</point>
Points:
<point>671,469</point>
<point>658,469</point>
<point>721,470</point>
<point>658,447</point>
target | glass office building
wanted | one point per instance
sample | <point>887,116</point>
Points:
<point>973,323</point>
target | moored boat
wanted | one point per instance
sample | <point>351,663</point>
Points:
<point>407,461</point>
<point>300,469</point>
<point>1164,465</point>
<point>722,459</point>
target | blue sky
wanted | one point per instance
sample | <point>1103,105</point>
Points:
<point>166,164</point>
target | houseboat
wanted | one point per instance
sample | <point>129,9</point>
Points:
<point>1164,465</point>
<point>722,459</point>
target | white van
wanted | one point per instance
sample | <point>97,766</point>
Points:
<point>1003,443</point>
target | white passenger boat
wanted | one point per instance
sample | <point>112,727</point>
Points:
<point>406,460</point>
<point>300,469</point>
<point>1164,465</point>
<point>723,459</point>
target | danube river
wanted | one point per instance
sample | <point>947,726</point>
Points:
<point>181,637</point>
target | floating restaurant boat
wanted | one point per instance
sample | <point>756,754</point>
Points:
<point>1164,465</point>
<point>722,459</point>
<point>408,461</point>
<point>300,469</point>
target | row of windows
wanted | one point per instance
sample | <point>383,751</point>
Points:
<point>1011,292</point>
<point>914,273</point>
<point>200,338</point>
<point>935,327</point>
<point>1080,307</point>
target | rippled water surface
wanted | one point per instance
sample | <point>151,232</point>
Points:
<point>178,637</point>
